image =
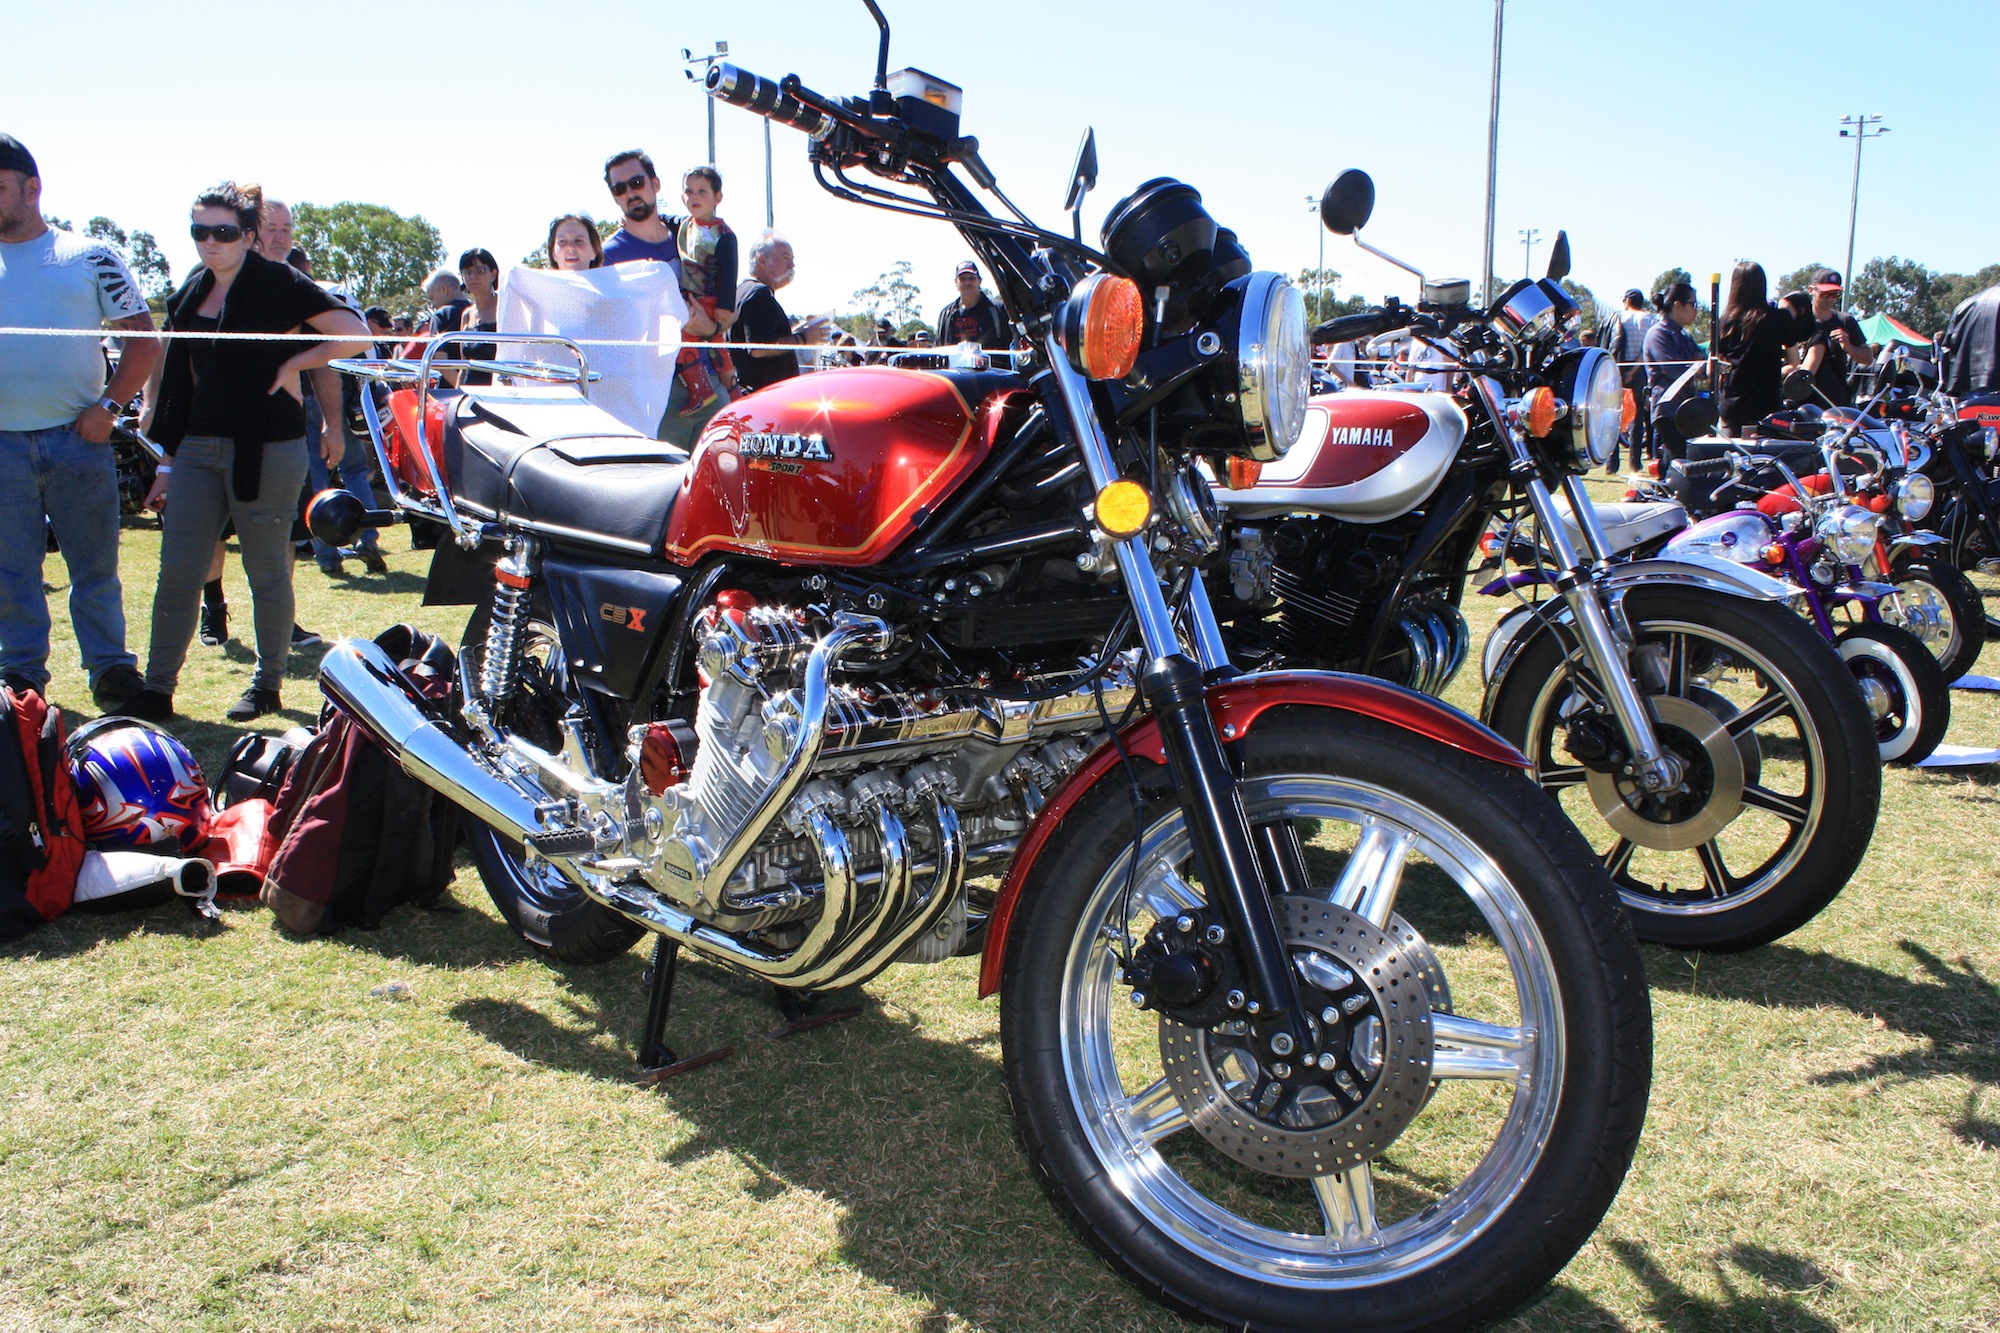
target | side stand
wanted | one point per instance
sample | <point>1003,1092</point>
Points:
<point>657,1060</point>
<point>796,1006</point>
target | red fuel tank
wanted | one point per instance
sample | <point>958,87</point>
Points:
<point>1366,455</point>
<point>835,468</point>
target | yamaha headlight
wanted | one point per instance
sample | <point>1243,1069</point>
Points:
<point>1587,379</point>
<point>1915,494</point>
<point>1850,531</point>
<point>1273,364</point>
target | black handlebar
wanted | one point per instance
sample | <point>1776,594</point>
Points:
<point>1706,466</point>
<point>1365,324</point>
<point>753,92</point>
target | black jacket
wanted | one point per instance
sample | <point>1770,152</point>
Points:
<point>267,297</point>
<point>1971,346</point>
<point>983,323</point>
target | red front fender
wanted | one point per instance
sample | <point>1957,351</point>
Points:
<point>1236,705</point>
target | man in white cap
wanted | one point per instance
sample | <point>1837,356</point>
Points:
<point>973,317</point>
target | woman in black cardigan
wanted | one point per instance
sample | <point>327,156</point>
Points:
<point>230,420</point>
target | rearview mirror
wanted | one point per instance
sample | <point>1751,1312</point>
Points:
<point>1695,417</point>
<point>1798,387</point>
<point>1347,203</point>
<point>1082,176</point>
<point>1559,257</point>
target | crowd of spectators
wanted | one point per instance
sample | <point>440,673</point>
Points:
<point>249,427</point>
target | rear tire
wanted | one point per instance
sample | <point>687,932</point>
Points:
<point>544,908</point>
<point>1486,1192</point>
<point>1904,686</point>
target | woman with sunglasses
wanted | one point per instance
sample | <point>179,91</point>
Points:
<point>231,423</point>
<point>1669,352</point>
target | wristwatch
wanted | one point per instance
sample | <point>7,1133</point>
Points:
<point>111,406</point>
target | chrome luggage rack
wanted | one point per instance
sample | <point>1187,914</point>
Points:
<point>423,373</point>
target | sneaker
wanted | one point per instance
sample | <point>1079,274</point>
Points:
<point>149,705</point>
<point>116,687</point>
<point>303,638</point>
<point>214,624</point>
<point>372,561</point>
<point>254,704</point>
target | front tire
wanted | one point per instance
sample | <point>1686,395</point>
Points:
<point>1937,603</point>
<point>544,908</point>
<point>1784,781</point>
<point>1540,1014</point>
<point>1904,687</point>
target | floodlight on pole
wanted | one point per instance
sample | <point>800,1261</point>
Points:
<point>1529,235</point>
<point>1859,129</point>
<point>689,58</point>
<point>1319,274</point>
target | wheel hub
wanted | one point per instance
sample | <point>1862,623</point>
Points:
<point>1709,796</point>
<point>1369,996</point>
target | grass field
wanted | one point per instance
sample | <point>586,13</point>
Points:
<point>233,1130</point>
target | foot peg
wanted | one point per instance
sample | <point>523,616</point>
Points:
<point>564,842</point>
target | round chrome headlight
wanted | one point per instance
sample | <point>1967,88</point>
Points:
<point>1273,365</point>
<point>1915,494</point>
<point>1850,531</point>
<point>1587,379</point>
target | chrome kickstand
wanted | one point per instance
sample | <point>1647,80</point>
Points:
<point>657,1060</point>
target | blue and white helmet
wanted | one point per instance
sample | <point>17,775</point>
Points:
<point>139,787</point>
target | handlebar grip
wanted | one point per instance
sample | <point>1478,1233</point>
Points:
<point>753,92</point>
<point>1366,324</point>
<point>1705,466</point>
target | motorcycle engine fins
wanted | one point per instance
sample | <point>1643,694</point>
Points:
<point>1716,769</point>
<point>1368,996</point>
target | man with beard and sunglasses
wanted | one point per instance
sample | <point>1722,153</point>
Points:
<point>56,413</point>
<point>644,234</point>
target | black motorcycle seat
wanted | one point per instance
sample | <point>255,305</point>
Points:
<point>551,458</point>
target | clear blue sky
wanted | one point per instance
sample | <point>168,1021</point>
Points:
<point>1692,133</point>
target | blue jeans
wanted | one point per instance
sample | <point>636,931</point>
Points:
<point>58,476</point>
<point>356,478</point>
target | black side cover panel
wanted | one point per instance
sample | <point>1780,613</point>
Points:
<point>613,620</point>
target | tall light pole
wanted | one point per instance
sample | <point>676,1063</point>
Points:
<point>1492,150</point>
<point>1529,235</point>
<point>770,199</point>
<point>690,58</point>
<point>1860,128</point>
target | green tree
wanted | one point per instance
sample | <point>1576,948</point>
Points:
<point>380,254</point>
<point>1951,288</point>
<point>1594,313</point>
<point>895,294</point>
<point>1318,286</point>
<point>1901,289</point>
<point>1668,279</point>
<point>149,267</point>
<point>58,223</point>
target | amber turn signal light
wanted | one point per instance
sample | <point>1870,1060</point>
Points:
<point>1243,473</point>
<point>1123,509</point>
<point>1538,411</point>
<point>1628,412</point>
<point>1103,325</point>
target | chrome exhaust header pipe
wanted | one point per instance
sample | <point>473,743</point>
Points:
<point>361,680</point>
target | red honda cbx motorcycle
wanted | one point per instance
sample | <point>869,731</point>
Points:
<point>1315,1012</point>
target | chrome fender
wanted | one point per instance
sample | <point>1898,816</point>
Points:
<point>1693,570</point>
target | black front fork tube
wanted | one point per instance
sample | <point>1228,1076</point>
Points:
<point>1225,852</point>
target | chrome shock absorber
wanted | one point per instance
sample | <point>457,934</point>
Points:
<point>513,580</point>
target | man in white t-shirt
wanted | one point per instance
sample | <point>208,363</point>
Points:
<point>56,412</point>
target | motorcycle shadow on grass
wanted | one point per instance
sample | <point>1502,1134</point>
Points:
<point>907,1131</point>
<point>1950,1007</point>
<point>1761,1289</point>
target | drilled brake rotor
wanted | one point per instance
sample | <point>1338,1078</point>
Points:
<point>1372,1074</point>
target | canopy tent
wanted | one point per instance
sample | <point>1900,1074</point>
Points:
<point>1882,330</point>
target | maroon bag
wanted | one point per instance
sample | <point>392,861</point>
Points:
<point>41,824</point>
<point>355,836</point>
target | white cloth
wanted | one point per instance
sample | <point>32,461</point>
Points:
<point>109,874</point>
<point>637,302</point>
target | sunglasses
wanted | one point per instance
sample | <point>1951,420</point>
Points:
<point>226,233</point>
<point>618,188</point>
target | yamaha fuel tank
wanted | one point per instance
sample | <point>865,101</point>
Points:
<point>835,468</point>
<point>1365,455</point>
